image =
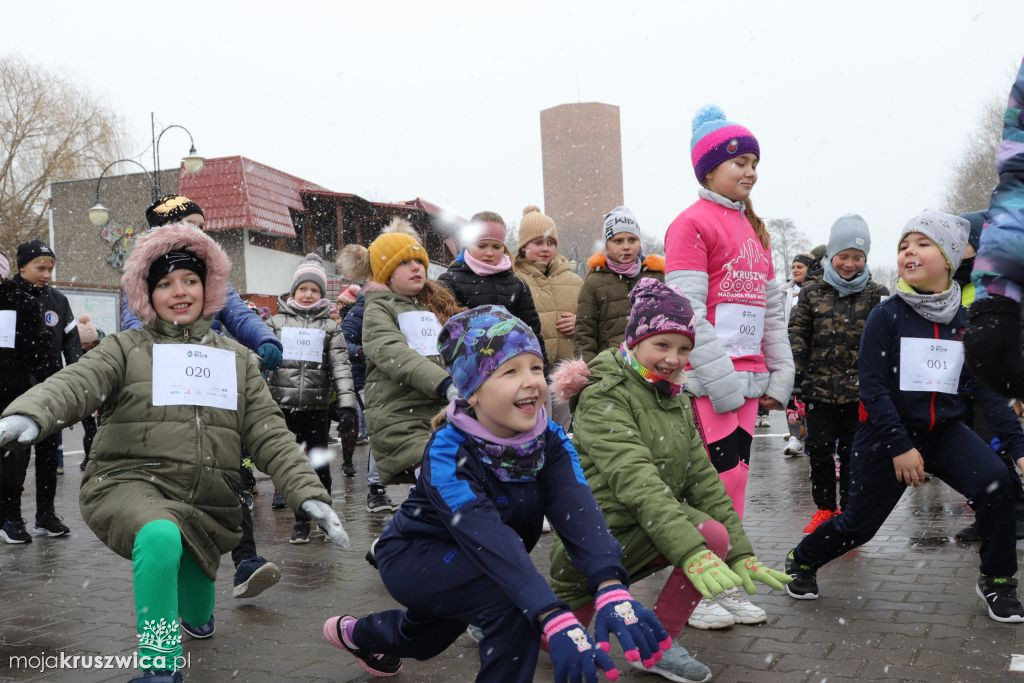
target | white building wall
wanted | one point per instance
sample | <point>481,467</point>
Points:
<point>268,271</point>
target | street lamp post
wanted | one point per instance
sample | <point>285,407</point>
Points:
<point>99,215</point>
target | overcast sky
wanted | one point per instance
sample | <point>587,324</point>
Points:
<point>858,106</point>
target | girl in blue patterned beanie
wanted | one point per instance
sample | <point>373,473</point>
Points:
<point>458,551</point>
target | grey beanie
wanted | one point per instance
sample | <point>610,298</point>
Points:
<point>620,219</point>
<point>950,233</point>
<point>849,232</point>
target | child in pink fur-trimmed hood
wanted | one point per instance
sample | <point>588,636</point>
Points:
<point>179,402</point>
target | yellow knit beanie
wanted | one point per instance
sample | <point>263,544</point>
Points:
<point>535,224</point>
<point>391,249</point>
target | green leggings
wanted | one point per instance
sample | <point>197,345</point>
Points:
<point>168,583</point>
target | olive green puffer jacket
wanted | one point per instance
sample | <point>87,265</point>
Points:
<point>307,385</point>
<point>402,386</point>
<point>603,307</point>
<point>649,472</point>
<point>179,462</point>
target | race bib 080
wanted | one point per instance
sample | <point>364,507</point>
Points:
<point>194,375</point>
<point>930,364</point>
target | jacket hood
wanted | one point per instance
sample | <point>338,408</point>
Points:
<point>599,261</point>
<point>283,307</point>
<point>158,241</point>
<point>569,379</point>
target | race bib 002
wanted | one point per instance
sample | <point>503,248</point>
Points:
<point>303,344</point>
<point>740,328</point>
<point>194,375</point>
<point>930,364</point>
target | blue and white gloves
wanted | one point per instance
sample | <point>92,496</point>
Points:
<point>19,427</point>
<point>321,513</point>
<point>641,635</point>
<point>573,653</point>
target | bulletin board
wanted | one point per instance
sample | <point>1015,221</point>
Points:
<point>103,307</point>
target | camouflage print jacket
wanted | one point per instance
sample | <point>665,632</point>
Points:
<point>824,333</point>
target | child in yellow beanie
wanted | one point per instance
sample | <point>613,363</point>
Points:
<point>406,381</point>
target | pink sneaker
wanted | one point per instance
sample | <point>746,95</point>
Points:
<point>381,666</point>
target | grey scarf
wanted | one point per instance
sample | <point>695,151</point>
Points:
<point>845,287</point>
<point>937,308</point>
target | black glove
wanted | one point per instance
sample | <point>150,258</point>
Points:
<point>992,345</point>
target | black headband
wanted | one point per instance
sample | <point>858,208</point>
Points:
<point>179,259</point>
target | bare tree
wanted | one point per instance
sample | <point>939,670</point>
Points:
<point>787,242</point>
<point>652,245</point>
<point>886,276</point>
<point>974,175</point>
<point>50,130</point>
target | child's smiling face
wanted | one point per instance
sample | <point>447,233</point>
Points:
<point>921,263</point>
<point>178,297</point>
<point>734,178</point>
<point>509,402</point>
<point>665,354</point>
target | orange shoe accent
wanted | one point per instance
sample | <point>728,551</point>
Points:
<point>818,519</point>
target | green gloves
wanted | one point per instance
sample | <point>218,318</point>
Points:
<point>709,574</point>
<point>749,570</point>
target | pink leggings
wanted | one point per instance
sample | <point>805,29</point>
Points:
<point>679,597</point>
<point>728,437</point>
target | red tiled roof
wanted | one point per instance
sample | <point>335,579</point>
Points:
<point>236,193</point>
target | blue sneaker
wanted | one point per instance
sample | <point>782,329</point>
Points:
<point>199,632</point>
<point>255,575</point>
<point>676,664</point>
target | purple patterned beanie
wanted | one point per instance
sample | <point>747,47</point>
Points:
<point>476,342</point>
<point>657,309</point>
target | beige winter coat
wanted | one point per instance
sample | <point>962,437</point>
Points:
<point>555,290</point>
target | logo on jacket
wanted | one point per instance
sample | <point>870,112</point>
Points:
<point>51,319</point>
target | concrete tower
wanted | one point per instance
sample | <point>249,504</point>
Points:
<point>582,155</point>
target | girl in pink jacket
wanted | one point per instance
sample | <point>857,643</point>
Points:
<point>718,253</point>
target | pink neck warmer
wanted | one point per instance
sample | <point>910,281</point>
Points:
<point>292,303</point>
<point>627,269</point>
<point>483,269</point>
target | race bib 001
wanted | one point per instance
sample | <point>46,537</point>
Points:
<point>930,364</point>
<point>740,328</point>
<point>8,325</point>
<point>194,375</point>
<point>421,329</point>
<point>303,344</point>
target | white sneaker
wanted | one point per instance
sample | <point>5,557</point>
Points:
<point>545,528</point>
<point>793,446</point>
<point>762,421</point>
<point>742,610</point>
<point>710,615</point>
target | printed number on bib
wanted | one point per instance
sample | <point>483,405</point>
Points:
<point>420,329</point>
<point>301,343</point>
<point>8,324</point>
<point>930,364</point>
<point>193,375</point>
<point>740,329</point>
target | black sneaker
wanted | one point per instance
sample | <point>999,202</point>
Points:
<point>13,531</point>
<point>300,533</point>
<point>377,500</point>
<point>278,503</point>
<point>348,469</point>
<point>1000,595</point>
<point>969,534</point>
<point>381,666</point>
<point>253,576</point>
<point>199,632</point>
<point>49,524</point>
<point>804,585</point>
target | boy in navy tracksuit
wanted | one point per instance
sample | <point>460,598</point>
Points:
<point>913,388</point>
<point>457,552</point>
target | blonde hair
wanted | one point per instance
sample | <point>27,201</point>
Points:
<point>439,299</point>
<point>439,420</point>
<point>760,229</point>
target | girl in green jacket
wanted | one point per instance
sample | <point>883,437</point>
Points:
<point>178,402</point>
<point>647,466</point>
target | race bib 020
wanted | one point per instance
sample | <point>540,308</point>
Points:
<point>421,329</point>
<point>303,344</point>
<point>194,375</point>
<point>740,328</point>
<point>930,364</point>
